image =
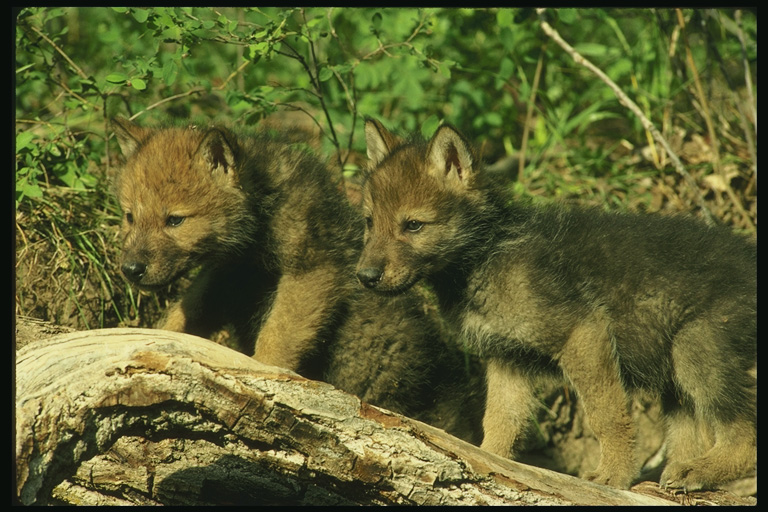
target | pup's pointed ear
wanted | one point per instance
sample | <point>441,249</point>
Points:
<point>217,149</point>
<point>451,158</point>
<point>129,135</point>
<point>380,142</point>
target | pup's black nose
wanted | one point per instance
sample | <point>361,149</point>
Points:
<point>134,270</point>
<point>370,276</point>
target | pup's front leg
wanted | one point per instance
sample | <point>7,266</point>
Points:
<point>509,404</point>
<point>197,312</point>
<point>175,319</point>
<point>304,304</point>
<point>588,362</point>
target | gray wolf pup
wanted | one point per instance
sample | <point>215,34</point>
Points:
<point>611,302</point>
<point>277,242</point>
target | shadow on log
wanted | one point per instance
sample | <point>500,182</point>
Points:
<point>138,416</point>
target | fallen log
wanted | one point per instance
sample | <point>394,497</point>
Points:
<point>139,416</point>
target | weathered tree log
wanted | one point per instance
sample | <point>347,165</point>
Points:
<point>138,416</point>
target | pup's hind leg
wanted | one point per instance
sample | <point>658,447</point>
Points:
<point>686,437</point>
<point>733,455</point>
<point>712,370</point>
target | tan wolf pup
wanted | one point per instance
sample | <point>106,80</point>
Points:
<point>277,241</point>
<point>611,302</point>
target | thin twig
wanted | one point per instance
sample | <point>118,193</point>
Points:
<point>351,106</point>
<point>69,91</point>
<point>196,90</point>
<point>77,69</point>
<point>232,75</point>
<point>291,106</point>
<point>350,91</point>
<point>631,105</point>
<point>319,88</point>
<point>315,81</point>
<point>407,43</point>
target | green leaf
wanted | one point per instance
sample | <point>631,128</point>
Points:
<point>344,68</point>
<point>163,19</point>
<point>444,68</point>
<point>140,15</point>
<point>258,49</point>
<point>138,84</point>
<point>568,16</point>
<point>29,189</point>
<point>493,118</point>
<point>325,74</point>
<point>310,23</point>
<point>170,72</point>
<point>53,149</point>
<point>506,69</point>
<point>89,180</point>
<point>540,133</point>
<point>172,34</point>
<point>23,139</point>
<point>620,68</point>
<point>429,126</point>
<point>505,17</point>
<point>75,103</point>
<point>376,21</point>
<point>116,78</point>
<point>67,175</point>
<point>591,49</point>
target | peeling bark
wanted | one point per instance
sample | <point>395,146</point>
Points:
<point>138,416</point>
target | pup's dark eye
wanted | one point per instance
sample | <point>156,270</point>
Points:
<point>174,221</point>
<point>129,217</point>
<point>413,226</point>
<point>369,222</point>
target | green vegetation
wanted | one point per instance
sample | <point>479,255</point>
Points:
<point>549,126</point>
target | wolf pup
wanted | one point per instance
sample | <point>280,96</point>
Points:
<point>277,242</point>
<point>611,302</point>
